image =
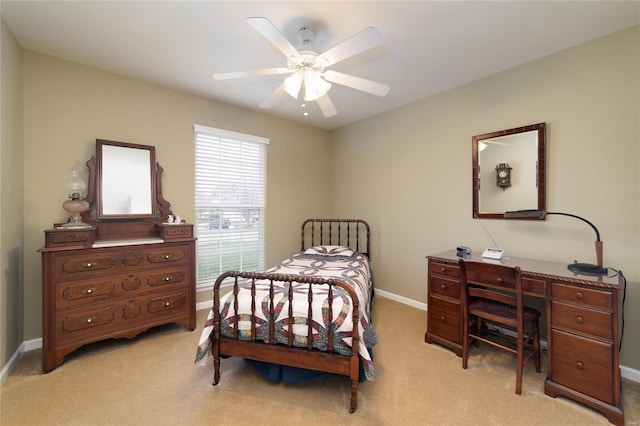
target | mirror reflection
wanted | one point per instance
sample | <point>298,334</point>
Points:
<point>508,171</point>
<point>126,187</point>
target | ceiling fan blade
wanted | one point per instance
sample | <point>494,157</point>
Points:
<point>358,83</point>
<point>254,73</point>
<point>274,97</point>
<point>271,33</point>
<point>364,40</point>
<point>326,106</point>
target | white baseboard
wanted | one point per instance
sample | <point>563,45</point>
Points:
<point>204,305</point>
<point>29,345</point>
<point>26,346</point>
<point>401,299</point>
<point>630,373</point>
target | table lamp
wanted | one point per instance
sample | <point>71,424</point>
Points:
<point>579,268</point>
<point>74,205</point>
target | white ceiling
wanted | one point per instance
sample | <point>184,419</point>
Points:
<point>429,47</point>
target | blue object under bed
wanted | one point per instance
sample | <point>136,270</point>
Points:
<point>292,375</point>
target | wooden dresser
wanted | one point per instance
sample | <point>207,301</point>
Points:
<point>125,268</point>
<point>114,289</point>
<point>583,325</point>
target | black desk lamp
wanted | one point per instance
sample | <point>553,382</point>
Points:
<point>579,268</point>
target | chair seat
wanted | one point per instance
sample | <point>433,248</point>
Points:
<point>501,312</point>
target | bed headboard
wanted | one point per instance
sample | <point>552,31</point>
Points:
<point>353,233</point>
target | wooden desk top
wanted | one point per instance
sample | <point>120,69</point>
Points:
<point>541,269</point>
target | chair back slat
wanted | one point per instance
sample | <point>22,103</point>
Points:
<point>495,281</point>
<point>491,294</point>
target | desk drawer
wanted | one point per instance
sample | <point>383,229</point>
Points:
<point>444,286</point>
<point>582,295</point>
<point>443,319</point>
<point>577,318</point>
<point>444,269</point>
<point>534,286</point>
<point>583,364</point>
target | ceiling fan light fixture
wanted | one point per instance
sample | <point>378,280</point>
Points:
<point>314,86</point>
<point>293,83</point>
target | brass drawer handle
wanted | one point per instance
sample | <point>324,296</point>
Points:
<point>580,365</point>
<point>443,287</point>
<point>167,256</point>
<point>580,320</point>
<point>500,280</point>
<point>89,290</point>
<point>167,279</point>
<point>167,304</point>
<point>87,265</point>
<point>90,320</point>
<point>443,270</point>
<point>579,295</point>
<point>443,319</point>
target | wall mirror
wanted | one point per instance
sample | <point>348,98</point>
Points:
<point>125,181</point>
<point>509,171</point>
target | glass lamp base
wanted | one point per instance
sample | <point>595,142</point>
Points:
<point>75,222</point>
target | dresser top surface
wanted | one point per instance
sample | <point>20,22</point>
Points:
<point>539,268</point>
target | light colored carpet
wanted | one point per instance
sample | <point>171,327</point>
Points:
<point>152,380</point>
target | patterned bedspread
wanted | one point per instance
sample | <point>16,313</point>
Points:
<point>350,267</point>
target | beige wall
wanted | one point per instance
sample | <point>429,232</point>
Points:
<point>68,106</point>
<point>11,207</point>
<point>412,180</point>
<point>408,170</point>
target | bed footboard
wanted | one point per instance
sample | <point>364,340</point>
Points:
<point>262,345</point>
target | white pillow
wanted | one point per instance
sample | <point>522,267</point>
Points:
<point>330,251</point>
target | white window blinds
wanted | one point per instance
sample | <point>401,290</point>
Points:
<point>230,202</point>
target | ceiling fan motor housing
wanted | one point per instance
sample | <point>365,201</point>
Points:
<point>306,36</point>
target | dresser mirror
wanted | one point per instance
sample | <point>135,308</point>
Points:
<point>508,171</point>
<point>125,181</point>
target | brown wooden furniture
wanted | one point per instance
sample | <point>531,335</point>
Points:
<point>484,298</point>
<point>583,325</point>
<point>116,278</point>
<point>314,232</point>
<point>526,146</point>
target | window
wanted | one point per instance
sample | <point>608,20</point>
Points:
<point>230,203</point>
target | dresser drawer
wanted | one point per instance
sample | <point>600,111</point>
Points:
<point>175,231</point>
<point>87,263</point>
<point>583,365</point>
<point>166,303</point>
<point>104,288</point>
<point>443,319</point>
<point>69,237</point>
<point>444,269</point>
<point>444,286</point>
<point>87,320</point>
<point>582,295</point>
<point>596,322</point>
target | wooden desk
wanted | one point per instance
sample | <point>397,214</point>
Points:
<point>583,325</point>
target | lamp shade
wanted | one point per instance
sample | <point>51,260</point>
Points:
<point>315,86</point>
<point>293,83</point>
<point>74,183</point>
<point>579,268</point>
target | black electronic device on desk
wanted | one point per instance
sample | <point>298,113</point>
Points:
<point>463,252</point>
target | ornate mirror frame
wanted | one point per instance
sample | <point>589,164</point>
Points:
<point>118,226</point>
<point>125,182</point>
<point>522,149</point>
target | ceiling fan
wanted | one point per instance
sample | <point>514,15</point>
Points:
<point>308,68</point>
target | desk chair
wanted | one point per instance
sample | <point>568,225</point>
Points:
<point>497,298</point>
